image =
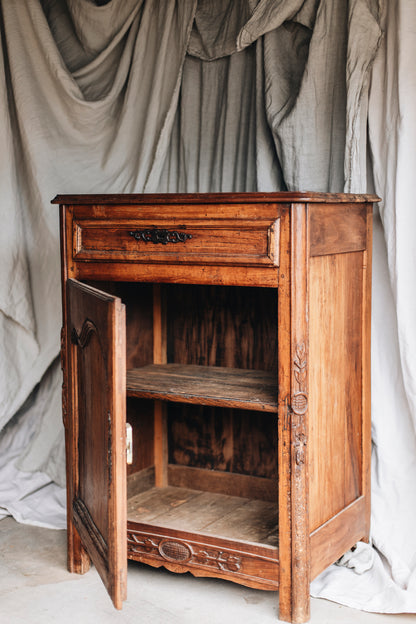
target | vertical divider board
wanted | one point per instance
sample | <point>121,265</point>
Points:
<point>299,408</point>
<point>160,407</point>
<point>293,406</point>
<point>284,441</point>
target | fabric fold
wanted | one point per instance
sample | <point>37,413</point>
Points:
<point>66,131</point>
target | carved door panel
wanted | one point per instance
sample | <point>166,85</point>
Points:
<point>96,322</point>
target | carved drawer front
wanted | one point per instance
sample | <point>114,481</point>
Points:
<point>248,242</point>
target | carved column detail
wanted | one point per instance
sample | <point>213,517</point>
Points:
<point>300,397</point>
<point>299,403</point>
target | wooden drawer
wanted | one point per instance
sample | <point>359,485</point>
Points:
<point>248,242</point>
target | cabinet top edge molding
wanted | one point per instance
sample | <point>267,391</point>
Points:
<point>208,198</point>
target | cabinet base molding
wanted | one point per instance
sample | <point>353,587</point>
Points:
<point>251,565</point>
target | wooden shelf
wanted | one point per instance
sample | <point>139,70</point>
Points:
<point>208,513</point>
<point>205,385</point>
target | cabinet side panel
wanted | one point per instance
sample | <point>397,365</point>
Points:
<point>335,437</point>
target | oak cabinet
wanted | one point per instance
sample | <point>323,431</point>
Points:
<point>232,333</point>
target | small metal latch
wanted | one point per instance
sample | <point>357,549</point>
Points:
<point>129,443</point>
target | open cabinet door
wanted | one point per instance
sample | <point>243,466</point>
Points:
<point>96,324</point>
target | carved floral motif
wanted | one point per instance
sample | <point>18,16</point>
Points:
<point>300,444</point>
<point>299,401</point>
<point>179,551</point>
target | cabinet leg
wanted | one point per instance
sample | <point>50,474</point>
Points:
<point>78,561</point>
<point>294,606</point>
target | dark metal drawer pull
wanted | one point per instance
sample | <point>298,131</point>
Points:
<point>160,236</point>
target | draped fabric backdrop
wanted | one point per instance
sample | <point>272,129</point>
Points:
<point>208,95</point>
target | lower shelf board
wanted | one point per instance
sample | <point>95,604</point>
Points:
<point>207,534</point>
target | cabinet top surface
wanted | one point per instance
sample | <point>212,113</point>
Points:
<point>203,198</point>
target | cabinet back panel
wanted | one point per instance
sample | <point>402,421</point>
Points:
<point>138,299</point>
<point>139,323</point>
<point>236,441</point>
<point>222,326</point>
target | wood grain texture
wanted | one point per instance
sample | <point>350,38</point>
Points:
<point>237,441</point>
<point>223,326</point>
<point>366,374</point>
<point>233,517</point>
<point>330,541</point>
<point>337,231</point>
<point>196,241</point>
<point>161,444</point>
<point>255,444</point>
<point>201,437</point>
<point>219,199</point>
<point>222,482</point>
<point>237,275</point>
<point>160,411</point>
<point>299,461</point>
<point>284,422</point>
<point>204,385</point>
<point>98,361</point>
<point>139,322</point>
<point>159,326</point>
<point>140,481</point>
<point>335,318</point>
<point>78,560</point>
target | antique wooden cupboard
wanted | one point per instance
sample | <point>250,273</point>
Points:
<point>232,333</point>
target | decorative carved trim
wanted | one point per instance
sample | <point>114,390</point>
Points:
<point>299,402</point>
<point>82,339</point>
<point>160,236</point>
<point>300,445</point>
<point>300,362</point>
<point>179,551</point>
<point>175,551</point>
<point>83,521</point>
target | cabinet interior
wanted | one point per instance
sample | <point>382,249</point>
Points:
<point>202,404</point>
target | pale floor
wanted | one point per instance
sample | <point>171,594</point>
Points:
<point>35,588</point>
